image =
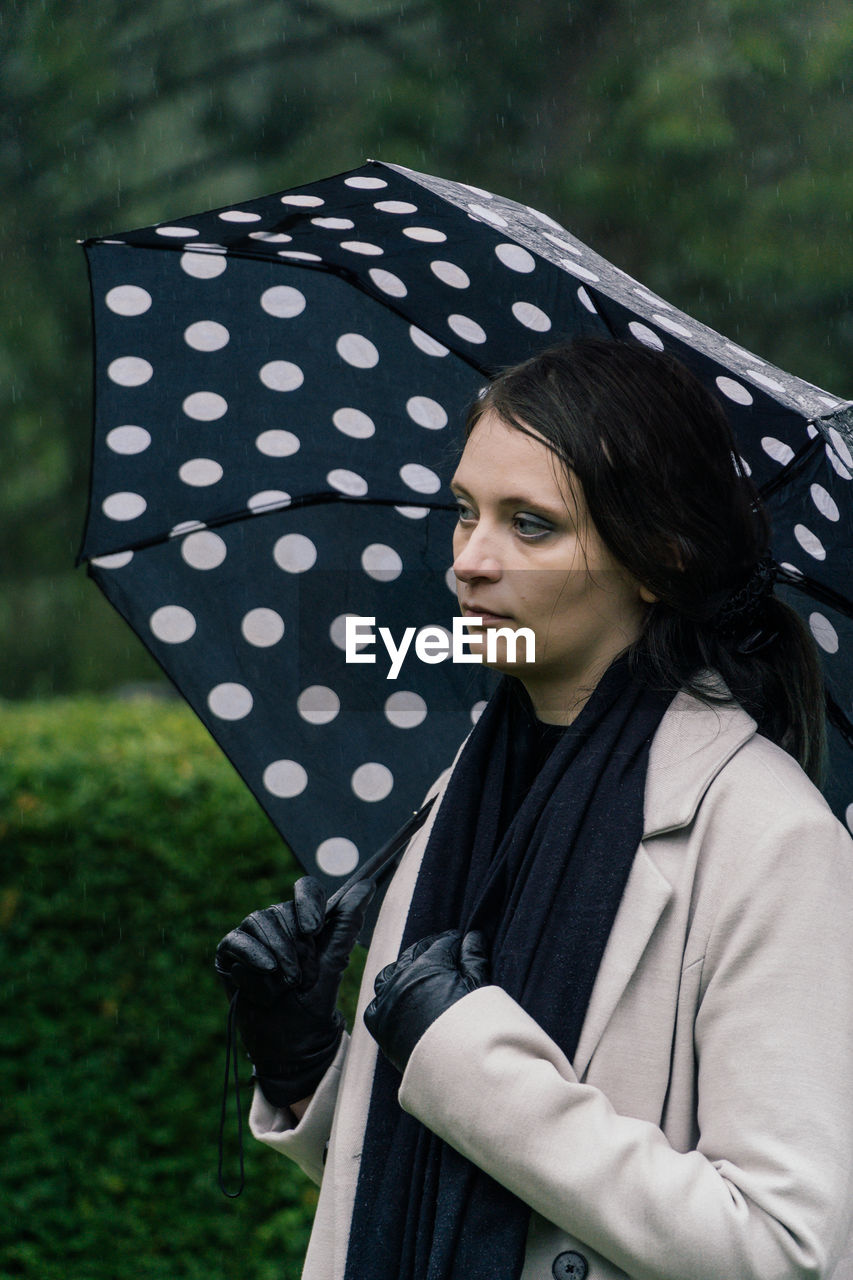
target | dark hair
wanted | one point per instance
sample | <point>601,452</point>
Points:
<point>668,493</point>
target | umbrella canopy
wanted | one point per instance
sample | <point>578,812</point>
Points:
<point>279,391</point>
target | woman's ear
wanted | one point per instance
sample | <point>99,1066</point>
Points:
<point>647,596</point>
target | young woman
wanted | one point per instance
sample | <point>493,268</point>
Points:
<point>606,1023</point>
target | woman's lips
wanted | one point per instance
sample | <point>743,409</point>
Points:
<point>470,611</point>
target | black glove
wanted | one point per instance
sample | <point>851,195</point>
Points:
<point>287,962</point>
<point>426,979</point>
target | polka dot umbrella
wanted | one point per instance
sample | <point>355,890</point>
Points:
<point>279,392</point>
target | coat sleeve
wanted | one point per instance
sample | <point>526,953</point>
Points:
<point>768,1191</point>
<point>304,1141</point>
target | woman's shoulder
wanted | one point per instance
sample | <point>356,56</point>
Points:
<point>708,753</point>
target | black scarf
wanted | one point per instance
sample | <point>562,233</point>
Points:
<point>544,885</point>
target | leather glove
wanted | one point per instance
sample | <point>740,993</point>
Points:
<point>413,991</point>
<point>287,962</point>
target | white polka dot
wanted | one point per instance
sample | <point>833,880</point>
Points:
<point>333,224</point>
<point>449,273</point>
<point>337,633</point>
<point>425,235</point>
<point>363,247</point>
<point>644,334</point>
<point>744,465</point>
<point>777,449</point>
<point>395,206</point>
<point>531,317</point>
<point>478,191</point>
<point>770,383</point>
<point>365,184</point>
<point>841,447</point>
<point>116,561</point>
<point>206,335</point>
<point>318,704</point>
<point>419,478</point>
<point>735,391</point>
<point>348,482</point>
<point>811,430</point>
<point>124,506</point>
<point>302,202</point>
<point>388,282</point>
<point>337,856</point>
<point>202,247</point>
<point>575,269</point>
<point>130,371</point>
<point>381,562</point>
<point>672,326</point>
<point>205,406</point>
<point>824,632</point>
<point>848,817</point>
<point>650,298</point>
<point>283,301</point>
<point>239,215</point>
<point>357,350</point>
<point>516,258</point>
<point>354,423</point>
<point>466,328</point>
<point>172,624</point>
<point>294,553</point>
<point>562,243</point>
<point>810,542</point>
<point>128,300</point>
<point>543,217</point>
<point>372,782</point>
<point>413,513</point>
<point>285,778</point>
<point>203,550</point>
<point>426,412</point>
<point>270,237</point>
<point>262,627</point>
<point>200,472</point>
<point>128,440</point>
<point>837,465</point>
<point>298,256</point>
<point>825,504</point>
<point>477,710</point>
<point>230,701</point>
<point>268,500</point>
<point>176,233</point>
<point>281,375</point>
<point>203,266</point>
<point>277,443</point>
<point>588,302</point>
<point>487,215</point>
<point>426,343</point>
<point>405,710</point>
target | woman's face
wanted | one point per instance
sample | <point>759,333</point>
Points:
<point>526,554</point>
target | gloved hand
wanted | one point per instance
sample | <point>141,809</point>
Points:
<point>287,962</point>
<point>424,981</point>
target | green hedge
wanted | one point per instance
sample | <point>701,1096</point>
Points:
<point>128,847</point>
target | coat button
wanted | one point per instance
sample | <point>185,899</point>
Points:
<point>569,1266</point>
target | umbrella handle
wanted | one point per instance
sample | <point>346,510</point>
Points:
<point>383,861</point>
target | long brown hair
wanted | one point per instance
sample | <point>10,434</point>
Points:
<point>665,488</point>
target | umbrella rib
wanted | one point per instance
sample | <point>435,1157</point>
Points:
<point>304,500</point>
<point>792,469</point>
<point>814,589</point>
<point>838,719</point>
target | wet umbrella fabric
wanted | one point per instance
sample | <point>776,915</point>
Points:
<point>279,392</point>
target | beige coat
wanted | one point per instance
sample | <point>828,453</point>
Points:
<point>704,1130</point>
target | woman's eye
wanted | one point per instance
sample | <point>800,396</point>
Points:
<point>532,527</point>
<point>463,511</point>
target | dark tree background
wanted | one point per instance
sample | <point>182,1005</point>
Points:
<point>704,147</point>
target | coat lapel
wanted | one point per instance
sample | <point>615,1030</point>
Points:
<point>691,746</point>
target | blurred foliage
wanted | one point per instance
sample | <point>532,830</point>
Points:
<point>704,147</point>
<point>128,847</point>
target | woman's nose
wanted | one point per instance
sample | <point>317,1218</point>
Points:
<point>475,557</point>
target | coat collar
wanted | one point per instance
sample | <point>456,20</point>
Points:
<point>695,739</point>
